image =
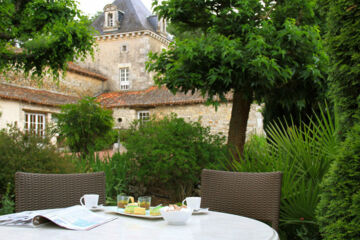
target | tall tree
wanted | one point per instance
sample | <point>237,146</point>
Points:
<point>244,49</point>
<point>339,208</point>
<point>39,36</point>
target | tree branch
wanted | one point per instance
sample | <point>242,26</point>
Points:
<point>16,56</point>
<point>5,36</point>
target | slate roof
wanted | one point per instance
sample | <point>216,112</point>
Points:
<point>72,67</point>
<point>136,18</point>
<point>151,97</point>
<point>34,96</point>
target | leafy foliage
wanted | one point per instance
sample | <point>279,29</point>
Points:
<point>343,45</point>
<point>27,153</point>
<point>117,169</point>
<point>164,158</point>
<point>39,36</point>
<point>7,202</point>
<point>244,47</point>
<point>85,124</point>
<point>298,98</point>
<point>170,153</point>
<point>339,209</point>
<point>304,155</point>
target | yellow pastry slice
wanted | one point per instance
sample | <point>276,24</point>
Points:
<point>129,209</point>
<point>139,211</point>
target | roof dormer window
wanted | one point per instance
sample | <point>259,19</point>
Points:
<point>161,28</point>
<point>112,18</point>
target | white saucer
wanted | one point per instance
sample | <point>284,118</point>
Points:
<point>201,211</point>
<point>97,208</point>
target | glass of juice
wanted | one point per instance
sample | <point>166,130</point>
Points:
<point>144,202</point>
<point>122,200</point>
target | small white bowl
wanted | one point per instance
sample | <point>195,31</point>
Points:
<point>176,217</point>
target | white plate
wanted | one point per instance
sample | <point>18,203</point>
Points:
<point>121,212</point>
<point>201,211</point>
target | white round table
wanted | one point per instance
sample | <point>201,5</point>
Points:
<point>213,225</point>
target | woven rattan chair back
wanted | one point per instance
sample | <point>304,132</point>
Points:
<point>254,195</point>
<point>35,191</point>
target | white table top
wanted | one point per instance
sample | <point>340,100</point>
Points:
<point>213,225</point>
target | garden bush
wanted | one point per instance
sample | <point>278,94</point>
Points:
<point>304,155</point>
<point>28,153</point>
<point>117,169</point>
<point>170,153</point>
<point>86,126</point>
<point>7,202</point>
<point>339,208</point>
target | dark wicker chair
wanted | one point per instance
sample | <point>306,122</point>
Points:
<point>35,191</point>
<point>254,195</point>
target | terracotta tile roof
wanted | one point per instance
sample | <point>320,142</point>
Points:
<point>150,97</point>
<point>34,96</point>
<point>72,67</point>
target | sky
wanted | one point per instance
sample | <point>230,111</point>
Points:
<point>90,7</point>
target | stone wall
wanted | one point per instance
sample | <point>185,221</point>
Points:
<point>80,85</point>
<point>127,116</point>
<point>218,120</point>
<point>110,56</point>
<point>13,112</point>
<point>72,84</point>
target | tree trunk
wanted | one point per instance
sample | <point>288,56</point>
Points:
<point>238,123</point>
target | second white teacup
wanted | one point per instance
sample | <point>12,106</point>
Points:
<point>193,202</point>
<point>89,200</point>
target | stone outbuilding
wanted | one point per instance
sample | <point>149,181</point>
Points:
<point>33,106</point>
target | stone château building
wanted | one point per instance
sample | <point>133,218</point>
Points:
<point>127,32</point>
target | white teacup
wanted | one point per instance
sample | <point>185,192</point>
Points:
<point>91,200</point>
<point>193,202</point>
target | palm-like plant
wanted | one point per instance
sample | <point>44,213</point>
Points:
<point>304,155</point>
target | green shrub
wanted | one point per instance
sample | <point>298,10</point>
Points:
<point>7,202</point>
<point>304,155</point>
<point>107,142</point>
<point>86,126</point>
<point>339,208</point>
<point>28,153</point>
<point>343,40</point>
<point>117,171</point>
<point>170,153</point>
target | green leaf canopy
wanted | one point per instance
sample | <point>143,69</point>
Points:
<point>37,36</point>
<point>244,48</point>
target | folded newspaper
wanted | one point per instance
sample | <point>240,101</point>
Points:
<point>75,218</point>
